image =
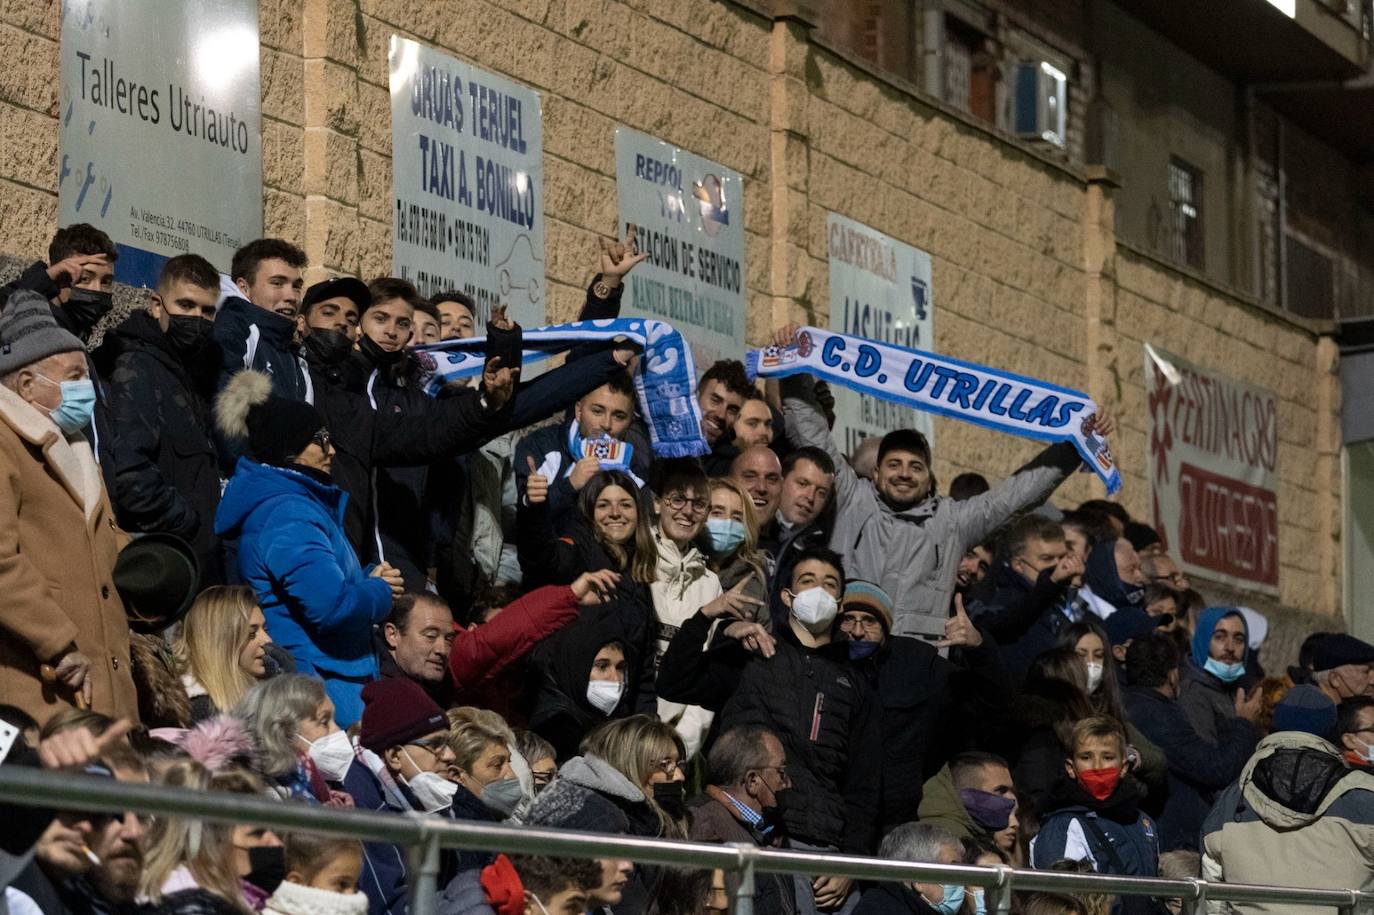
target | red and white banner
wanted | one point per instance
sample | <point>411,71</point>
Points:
<point>1214,447</point>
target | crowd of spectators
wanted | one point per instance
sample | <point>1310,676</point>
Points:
<point>244,550</point>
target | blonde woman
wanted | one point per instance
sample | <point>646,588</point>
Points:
<point>487,787</point>
<point>222,649</point>
<point>730,541</point>
<point>190,866</point>
<point>650,754</point>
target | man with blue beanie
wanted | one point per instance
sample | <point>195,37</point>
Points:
<point>1212,692</point>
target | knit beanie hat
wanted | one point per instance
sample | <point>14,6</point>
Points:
<point>29,333</point>
<point>396,711</point>
<point>1306,708</point>
<point>278,429</point>
<point>865,595</point>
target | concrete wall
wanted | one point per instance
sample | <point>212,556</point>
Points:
<point>1028,270</point>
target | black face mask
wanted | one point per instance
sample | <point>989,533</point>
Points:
<point>328,347</point>
<point>668,795</point>
<point>84,308</point>
<point>376,355</point>
<point>188,334</point>
<point>772,823</point>
<point>267,867</point>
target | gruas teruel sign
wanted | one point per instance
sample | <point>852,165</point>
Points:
<point>1214,446</point>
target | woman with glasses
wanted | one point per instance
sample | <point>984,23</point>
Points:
<point>281,505</point>
<point>683,583</point>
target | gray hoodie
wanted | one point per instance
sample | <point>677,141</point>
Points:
<point>914,554</point>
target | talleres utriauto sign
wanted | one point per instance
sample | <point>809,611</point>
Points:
<point>1214,450</point>
<point>160,129</point>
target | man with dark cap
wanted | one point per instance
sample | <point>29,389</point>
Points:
<point>405,757</point>
<point>330,313</point>
<point>78,282</point>
<point>1128,624</point>
<point>931,704</point>
<point>61,611</point>
<point>281,505</point>
<point>1343,667</point>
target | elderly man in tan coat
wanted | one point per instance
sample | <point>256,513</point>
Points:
<point>64,638</point>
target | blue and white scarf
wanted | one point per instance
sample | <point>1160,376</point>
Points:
<point>665,378</point>
<point>949,387</point>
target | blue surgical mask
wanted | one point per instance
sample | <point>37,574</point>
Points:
<point>724,535</point>
<point>1226,673</point>
<point>860,649</point>
<point>74,412</point>
<point>954,898</point>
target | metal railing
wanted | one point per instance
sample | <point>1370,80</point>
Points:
<point>425,835</point>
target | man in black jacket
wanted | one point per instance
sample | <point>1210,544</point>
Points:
<point>258,330</point>
<point>801,685</point>
<point>1033,596</point>
<point>78,280</point>
<point>931,706</point>
<point>1198,769</point>
<point>160,384</point>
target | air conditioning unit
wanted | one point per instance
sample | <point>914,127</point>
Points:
<point>1040,102</point>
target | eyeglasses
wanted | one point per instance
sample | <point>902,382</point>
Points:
<point>677,501</point>
<point>433,744</point>
<point>668,766</point>
<point>322,439</point>
<point>867,624</point>
<point>783,777</point>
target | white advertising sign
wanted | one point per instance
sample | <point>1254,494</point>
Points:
<point>1214,448</point>
<point>879,289</point>
<point>690,216</point>
<point>160,128</point>
<point>468,177</point>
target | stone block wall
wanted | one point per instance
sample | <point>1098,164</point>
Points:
<point>1028,272</point>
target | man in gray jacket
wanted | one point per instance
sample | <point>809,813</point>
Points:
<point>895,530</point>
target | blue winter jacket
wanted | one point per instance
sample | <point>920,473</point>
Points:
<point>319,602</point>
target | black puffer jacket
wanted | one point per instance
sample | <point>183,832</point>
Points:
<point>391,388</point>
<point>365,439</point>
<point>816,701</point>
<point>166,477</point>
<point>932,709</point>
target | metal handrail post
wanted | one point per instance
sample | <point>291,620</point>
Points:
<point>424,886</point>
<point>997,897</point>
<point>744,893</point>
<point>1200,897</point>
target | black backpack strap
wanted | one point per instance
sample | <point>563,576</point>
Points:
<point>1115,859</point>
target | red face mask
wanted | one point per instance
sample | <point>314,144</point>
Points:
<point>1100,783</point>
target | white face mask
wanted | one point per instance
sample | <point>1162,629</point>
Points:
<point>1367,754</point>
<point>332,754</point>
<point>1094,676</point>
<point>815,608</point>
<point>604,695</point>
<point>432,792</point>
